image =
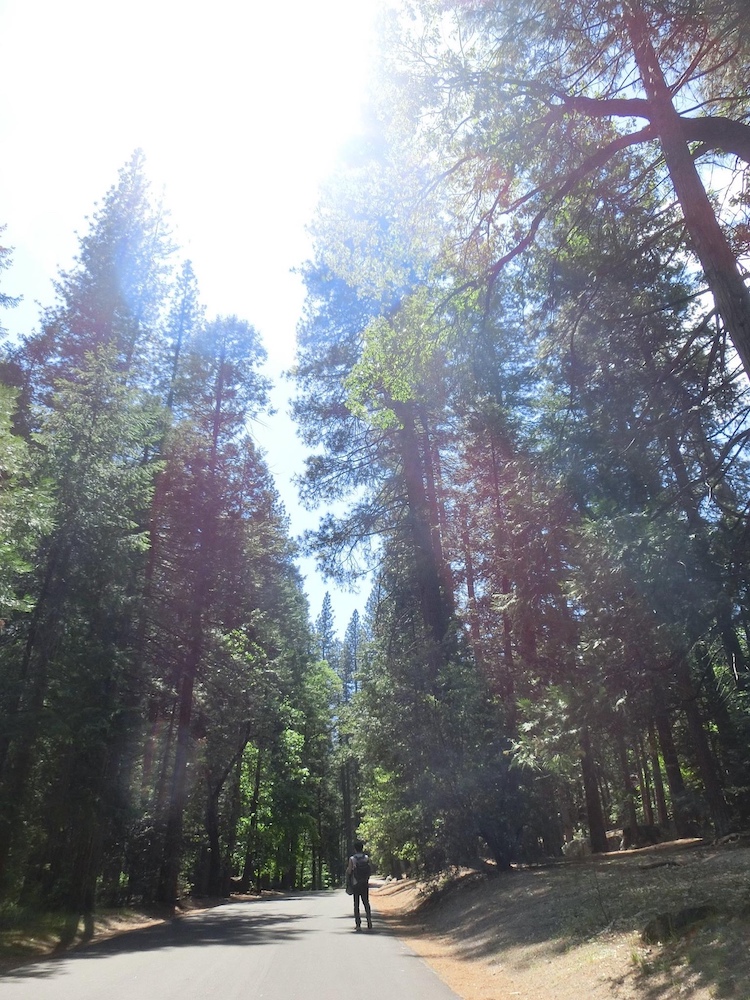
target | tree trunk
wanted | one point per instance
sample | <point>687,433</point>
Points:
<point>172,854</point>
<point>645,784</point>
<point>235,814</point>
<point>594,812</point>
<point>675,780</point>
<point>496,456</point>
<point>346,795</point>
<point>436,605</point>
<point>170,868</point>
<point>474,630</point>
<point>160,793</point>
<point>661,801</point>
<point>214,882</point>
<point>727,736</point>
<point>17,756</point>
<point>707,765</point>
<point>248,869</point>
<point>79,901</point>
<point>431,492</point>
<point>711,246</point>
<point>629,815</point>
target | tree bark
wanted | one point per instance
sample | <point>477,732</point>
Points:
<point>645,784</point>
<point>172,853</point>
<point>661,800</point>
<point>629,815</point>
<point>711,246</point>
<point>17,756</point>
<point>346,795</point>
<point>594,812</point>
<point>435,604</point>
<point>250,848</point>
<point>707,764</point>
<point>675,781</point>
<point>214,883</point>
<point>472,610</point>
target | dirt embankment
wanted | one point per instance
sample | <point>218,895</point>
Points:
<point>573,930</point>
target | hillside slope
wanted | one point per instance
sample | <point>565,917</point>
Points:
<point>573,930</point>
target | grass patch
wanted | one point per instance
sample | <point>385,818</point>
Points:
<point>28,933</point>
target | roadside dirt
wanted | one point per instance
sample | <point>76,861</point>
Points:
<point>568,931</point>
<point>572,931</point>
<point>24,945</point>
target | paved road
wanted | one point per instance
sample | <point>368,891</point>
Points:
<point>300,947</point>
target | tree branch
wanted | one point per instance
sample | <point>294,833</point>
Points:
<point>613,107</point>
<point>716,132</point>
<point>591,163</point>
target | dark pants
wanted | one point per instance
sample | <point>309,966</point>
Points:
<point>362,893</point>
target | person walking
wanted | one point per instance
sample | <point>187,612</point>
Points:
<point>358,873</point>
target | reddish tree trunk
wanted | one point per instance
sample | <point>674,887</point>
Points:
<point>661,801</point>
<point>675,781</point>
<point>594,812</point>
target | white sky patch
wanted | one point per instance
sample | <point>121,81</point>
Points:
<point>240,107</point>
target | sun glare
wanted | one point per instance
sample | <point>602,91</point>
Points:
<point>240,108</point>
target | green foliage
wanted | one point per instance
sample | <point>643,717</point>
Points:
<point>6,301</point>
<point>115,293</point>
<point>25,504</point>
<point>158,646</point>
<point>509,376</point>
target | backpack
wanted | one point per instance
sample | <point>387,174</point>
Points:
<point>362,870</point>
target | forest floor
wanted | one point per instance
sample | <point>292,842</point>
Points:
<point>571,930</point>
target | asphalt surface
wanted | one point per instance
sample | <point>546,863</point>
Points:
<point>297,947</point>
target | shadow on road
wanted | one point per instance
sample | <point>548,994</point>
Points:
<point>239,923</point>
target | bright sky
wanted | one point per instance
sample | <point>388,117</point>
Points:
<point>240,108</point>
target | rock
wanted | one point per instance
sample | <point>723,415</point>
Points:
<point>613,840</point>
<point>579,848</point>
